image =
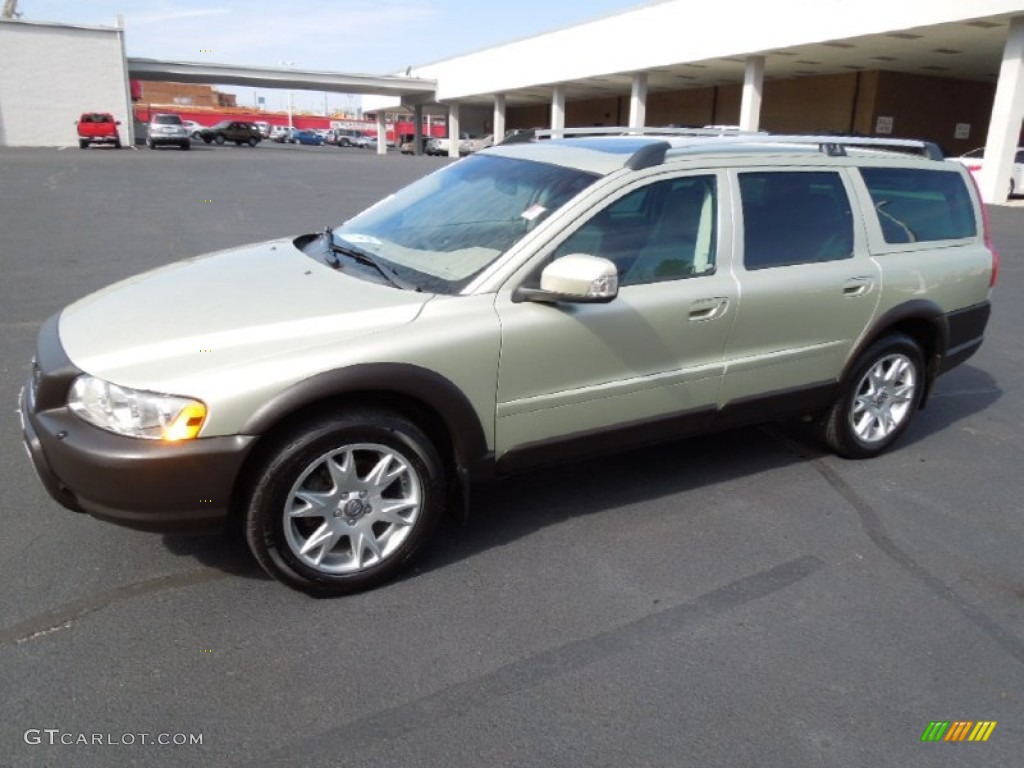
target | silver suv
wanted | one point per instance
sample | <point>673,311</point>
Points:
<point>535,301</point>
<point>167,129</point>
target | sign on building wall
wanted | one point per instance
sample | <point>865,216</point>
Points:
<point>883,125</point>
<point>962,131</point>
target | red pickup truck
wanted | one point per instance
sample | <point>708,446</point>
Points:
<point>98,128</point>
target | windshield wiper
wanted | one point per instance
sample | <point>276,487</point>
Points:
<point>364,257</point>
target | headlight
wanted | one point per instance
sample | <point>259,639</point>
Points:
<point>134,412</point>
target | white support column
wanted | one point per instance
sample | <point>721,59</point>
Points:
<point>753,85</point>
<point>382,133</point>
<point>453,130</point>
<point>1004,124</point>
<point>558,110</point>
<point>417,135</point>
<point>499,117</point>
<point>638,101</point>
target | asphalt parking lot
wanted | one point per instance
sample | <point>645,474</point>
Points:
<point>738,600</point>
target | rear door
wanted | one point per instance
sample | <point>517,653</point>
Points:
<point>809,287</point>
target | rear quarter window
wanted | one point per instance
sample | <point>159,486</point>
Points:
<point>917,205</point>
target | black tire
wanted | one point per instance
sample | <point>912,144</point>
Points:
<point>83,144</point>
<point>197,136</point>
<point>253,142</point>
<point>364,546</point>
<point>150,144</point>
<point>117,143</point>
<point>219,138</point>
<point>878,400</point>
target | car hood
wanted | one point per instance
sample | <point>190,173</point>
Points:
<point>222,310</point>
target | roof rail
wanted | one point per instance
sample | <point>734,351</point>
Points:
<point>835,146</point>
<point>647,130</point>
<point>829,145</point>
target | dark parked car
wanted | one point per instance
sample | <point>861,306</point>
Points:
<point>232,130</point>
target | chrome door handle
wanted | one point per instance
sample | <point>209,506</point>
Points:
<point>708,309</point>
<point>857,286</point>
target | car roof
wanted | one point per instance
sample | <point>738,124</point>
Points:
<point>595,151</point>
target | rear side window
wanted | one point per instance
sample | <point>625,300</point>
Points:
<point>792,217</point>
<point>916,205</point>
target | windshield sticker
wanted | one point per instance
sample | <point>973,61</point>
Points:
<point>533,212</point>
<point>357,238</point>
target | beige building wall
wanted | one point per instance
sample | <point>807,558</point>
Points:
<point>920,107</point>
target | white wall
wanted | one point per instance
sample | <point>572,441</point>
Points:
<point>52,73</point>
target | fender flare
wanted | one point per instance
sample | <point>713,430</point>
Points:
<point>421,384</point>
<point>916,310</point>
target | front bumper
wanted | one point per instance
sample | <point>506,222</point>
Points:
<point>146,484</point>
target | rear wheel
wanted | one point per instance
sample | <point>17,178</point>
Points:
<point>253,142</point>
<point>345,502</point>
<point>219,138</point>
<point>117,143</point>
<point>83,143</point>
<point>880,399</point>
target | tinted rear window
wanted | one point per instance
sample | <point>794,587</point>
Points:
<point>798,217</point>
<point>167,120</point>
<point>916,205</point>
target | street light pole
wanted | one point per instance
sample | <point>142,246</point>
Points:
<point>290,108</point>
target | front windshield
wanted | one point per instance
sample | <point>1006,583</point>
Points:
<point>441,231</point>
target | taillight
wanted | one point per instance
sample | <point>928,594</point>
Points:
<point>987,231</point>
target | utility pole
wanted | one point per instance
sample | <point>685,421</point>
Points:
<point>10,10</point>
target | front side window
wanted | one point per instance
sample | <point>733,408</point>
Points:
<point>915,205</point>
<point>794,217</point>
<point>663,231</point>
<point>441,231</point>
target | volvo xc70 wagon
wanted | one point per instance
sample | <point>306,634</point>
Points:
<point>339,390</point>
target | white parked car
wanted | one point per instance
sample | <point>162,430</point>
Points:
<point>973,160</point>
<point>471,143</point>
<point>193,128</point>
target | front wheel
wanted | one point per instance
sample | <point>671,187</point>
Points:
<point>880,399</point>
<point>345,502</point>
<point>219,138</point>
<point>252,142</point>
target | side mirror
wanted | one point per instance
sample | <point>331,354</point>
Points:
<point>578,278</point>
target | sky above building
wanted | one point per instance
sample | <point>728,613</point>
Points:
<point>357,36</point>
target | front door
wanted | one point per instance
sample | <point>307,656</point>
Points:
<point>572,372</point>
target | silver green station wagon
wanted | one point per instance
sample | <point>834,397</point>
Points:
<point>538,300</point>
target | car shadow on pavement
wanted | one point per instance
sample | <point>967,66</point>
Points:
<point>512,508</point>
<point>225,551</point>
